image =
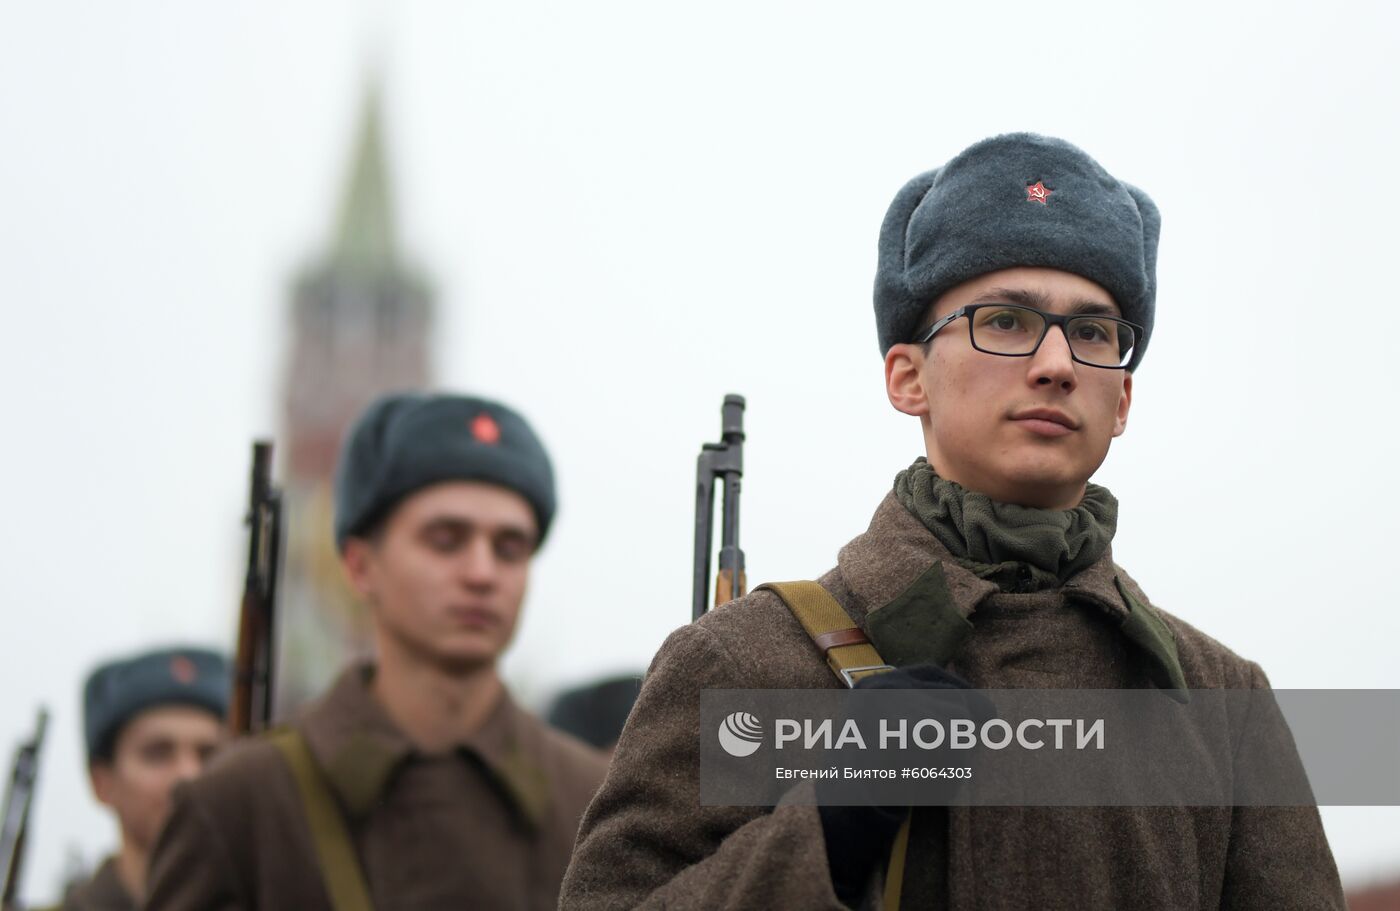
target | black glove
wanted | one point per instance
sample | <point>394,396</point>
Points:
<point>914,677</point>
<point>859,837</point>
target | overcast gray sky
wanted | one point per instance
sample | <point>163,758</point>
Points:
<point>628,210</point>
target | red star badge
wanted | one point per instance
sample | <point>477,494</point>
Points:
<point>1038,192</point>
<point>486,430</point>
<point>182,670</point>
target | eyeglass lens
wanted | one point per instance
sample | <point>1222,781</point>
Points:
<point>1017,330</point>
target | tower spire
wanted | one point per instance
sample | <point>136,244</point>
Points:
<point>361,321</point>
<point>364,234</point>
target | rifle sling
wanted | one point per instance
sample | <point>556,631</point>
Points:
<point>340,868</point>
<point>851,657</point>
<point>848,652</point>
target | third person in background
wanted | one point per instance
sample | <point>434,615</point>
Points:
<point>151,721</point>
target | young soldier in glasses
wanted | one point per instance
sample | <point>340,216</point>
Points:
<point>416,782</point>
<point>1014,298</point>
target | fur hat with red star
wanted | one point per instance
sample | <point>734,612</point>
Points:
<point>118,691</point>
<point>1015,200</point>
<point>406,441</point>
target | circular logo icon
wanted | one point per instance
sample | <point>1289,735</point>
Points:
<point>740,734</point>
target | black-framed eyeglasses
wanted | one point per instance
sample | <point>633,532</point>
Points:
<point>1011,330</point>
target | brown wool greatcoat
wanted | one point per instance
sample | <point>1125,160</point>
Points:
<point>104,892</point>
<point>647,842</point>
<point>489,825</point>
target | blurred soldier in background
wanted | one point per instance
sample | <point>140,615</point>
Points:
<point>151,722</point>
<point>416,781</point>
<point>596,712</point>
<point>1014,296</point>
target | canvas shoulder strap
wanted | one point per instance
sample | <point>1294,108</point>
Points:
<point>851,657</point>
<point>340,869</point>
<point>848,652</point>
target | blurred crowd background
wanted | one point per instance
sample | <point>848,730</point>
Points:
<point>222,223</point>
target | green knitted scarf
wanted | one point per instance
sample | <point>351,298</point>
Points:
<point>1020,548</point>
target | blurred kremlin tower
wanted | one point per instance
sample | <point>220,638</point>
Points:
<point>360,326</point>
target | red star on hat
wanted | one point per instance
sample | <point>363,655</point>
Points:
<point>1038,192</point>
<point>485,429</point>
<point>182,670</point>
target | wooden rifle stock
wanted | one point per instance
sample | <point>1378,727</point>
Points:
<point>250,709</point>
<point>723,462</point>
<point>14,825</point>
<point>725,590</point>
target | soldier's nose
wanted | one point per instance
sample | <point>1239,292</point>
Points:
<point>1053,363</point>
<point>478,563</point>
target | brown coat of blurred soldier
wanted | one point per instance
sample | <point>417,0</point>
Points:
<point>451,796</point>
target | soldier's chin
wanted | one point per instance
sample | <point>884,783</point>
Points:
<point>461,658</point>
<point>1045,465</point>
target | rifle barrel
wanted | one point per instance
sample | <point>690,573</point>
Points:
<point>704,513</point>
<point>722,462</point>
<point>251,708</point>
<point>19,796</point>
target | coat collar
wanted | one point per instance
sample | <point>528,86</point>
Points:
<point>359,749</point>
<point>104,890</point>
<point>914,599</point>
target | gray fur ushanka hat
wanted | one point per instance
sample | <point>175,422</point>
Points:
<point>406,441</point>
<point>1015,200</point>
<point>120,690</point>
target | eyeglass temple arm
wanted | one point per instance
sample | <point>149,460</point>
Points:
<point>931,331</point>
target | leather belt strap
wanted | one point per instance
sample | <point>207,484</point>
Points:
<point>838,637</point>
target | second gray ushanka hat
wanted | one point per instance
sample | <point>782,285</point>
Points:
<point>1015,200</point>
<point>406,441</point>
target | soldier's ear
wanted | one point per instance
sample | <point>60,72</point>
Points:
<point>904,382</point>
<point>100,776</point>
<point>1125,401</point>
<point>356,557</point>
